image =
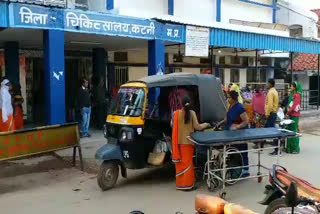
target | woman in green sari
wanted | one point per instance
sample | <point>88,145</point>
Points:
<point>293,112</point>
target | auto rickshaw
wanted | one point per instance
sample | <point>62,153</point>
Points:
<point>136,121</point>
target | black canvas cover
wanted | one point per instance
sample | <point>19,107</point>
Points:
<point>211,98</point>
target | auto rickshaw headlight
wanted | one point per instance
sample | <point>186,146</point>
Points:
<point>126,135</point>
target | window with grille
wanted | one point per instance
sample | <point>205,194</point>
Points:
<point>222,60</point>
<point>121,75</point>
<point>81,4</point>
<point>235,76</point>
<point>235,60</point>
<point>265,61</point>
<point>221,75</point>
<point>121,56</point>
<point>263,75</point>
<point>254,76</point>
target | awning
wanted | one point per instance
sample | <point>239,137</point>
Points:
<point>239,36</point>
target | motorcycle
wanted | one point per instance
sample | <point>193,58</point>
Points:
<point>307,200</point>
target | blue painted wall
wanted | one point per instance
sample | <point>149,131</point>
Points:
<point>171,7</point>
<point>274,11</point>
<point>156,63</point>
<point>3,14</point>
<point>110,4</point>
<point>54,77</point>
<point>218,19</point>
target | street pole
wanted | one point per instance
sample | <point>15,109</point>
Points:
<point>212,63</point>
<point>291,62</point>
<point>318,97</point>
<point>257,67</point>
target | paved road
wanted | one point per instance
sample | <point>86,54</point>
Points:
<point>48,185</point>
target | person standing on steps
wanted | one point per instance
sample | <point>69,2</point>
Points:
<point>84,103</point>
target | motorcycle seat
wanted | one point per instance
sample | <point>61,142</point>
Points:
<point>305,189</point>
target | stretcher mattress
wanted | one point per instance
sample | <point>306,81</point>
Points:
<point>225,137</point>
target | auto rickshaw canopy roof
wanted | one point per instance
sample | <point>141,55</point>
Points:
<point>211,97</point>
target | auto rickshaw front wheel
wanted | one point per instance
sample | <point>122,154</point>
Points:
<point>108,175</point>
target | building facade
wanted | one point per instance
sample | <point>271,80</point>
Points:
<point>48,45</point>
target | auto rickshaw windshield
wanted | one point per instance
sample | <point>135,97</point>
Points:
<point>128,102</point>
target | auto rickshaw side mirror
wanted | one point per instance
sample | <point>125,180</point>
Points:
<point>292,199</point>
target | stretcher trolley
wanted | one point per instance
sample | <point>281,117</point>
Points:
<point>220,167</point>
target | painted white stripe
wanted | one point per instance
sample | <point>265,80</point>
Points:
<point>184,188</point>
<point>184,171</point>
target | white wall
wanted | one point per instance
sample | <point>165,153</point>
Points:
<point>290,14</point>
<point>227,74</point>
<point>93,5</point>
<point>142,8</point>
<point>234,9</point>
<point>303,79</point>
<point>198,11</point>
<point>98,5</point>
<point>138,55</point>
<point>243,77</point>
<point>136,73</point>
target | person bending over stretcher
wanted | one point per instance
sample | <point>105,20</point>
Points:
<point>237,119</point>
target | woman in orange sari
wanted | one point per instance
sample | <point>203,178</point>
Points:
<point>185,122</point>
<point>7,122</point>
<point>18,113</point>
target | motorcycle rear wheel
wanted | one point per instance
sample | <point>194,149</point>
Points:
<point>275,205</point>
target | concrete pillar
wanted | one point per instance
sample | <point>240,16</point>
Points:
<point>98,63</point>
<point>12,62</point>
<point>54,77</point>
<point>156,63</point>
<point>156,55</point>
<point>227,74</point>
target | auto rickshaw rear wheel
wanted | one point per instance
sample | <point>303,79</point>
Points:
<point>108,175</point>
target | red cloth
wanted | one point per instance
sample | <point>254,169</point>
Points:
<point>294,111</point>
<point>18,118</point>
<point>258,103</point>
<point>176,157</point>
<point>8,126</point>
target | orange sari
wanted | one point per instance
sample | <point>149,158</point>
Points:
<point>18,118</point>
<point>8,126</point>
<point>182,155</point>
<point>0,119</point>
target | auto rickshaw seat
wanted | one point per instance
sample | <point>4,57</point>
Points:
<point>305,189</point>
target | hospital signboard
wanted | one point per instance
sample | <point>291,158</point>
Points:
<point>37,17</point>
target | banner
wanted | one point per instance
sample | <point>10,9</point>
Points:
<point>36,141</point>
<point>197,41</point>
